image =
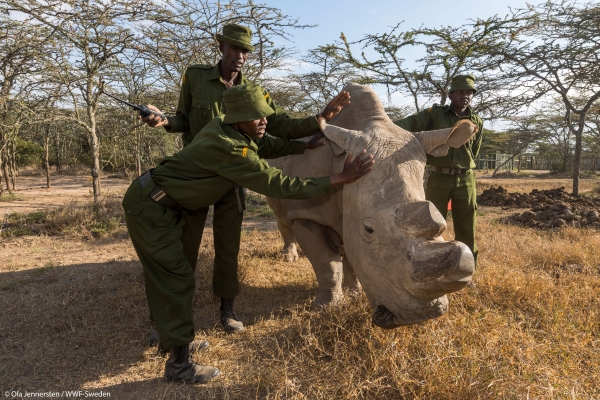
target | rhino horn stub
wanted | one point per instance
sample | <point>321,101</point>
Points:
<point>439,268</point>
<point>439,141</point>
<point>420,220</point>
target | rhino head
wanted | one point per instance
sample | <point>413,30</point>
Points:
<point>392,235</point>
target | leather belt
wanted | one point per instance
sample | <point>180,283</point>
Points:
<point>449,171</point>
<point>157,194</point>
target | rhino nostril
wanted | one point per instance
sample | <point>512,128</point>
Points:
<point>369,230</point>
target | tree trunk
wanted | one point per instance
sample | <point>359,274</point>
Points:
<point>577,161</point>
<point>138,153</point>
<point>95,150</point>
<point>5,162</point>
<point>57,151</point>
<point>15,166</point>
<point>47,155</point>
<point>1,162</point>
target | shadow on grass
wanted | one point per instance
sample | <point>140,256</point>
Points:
<point>69,327</point>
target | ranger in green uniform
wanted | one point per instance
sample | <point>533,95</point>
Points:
<point>227,152</point>
<point>452,175</point>
<point>199,102</point>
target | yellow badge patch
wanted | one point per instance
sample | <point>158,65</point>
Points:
<point>244,151</point>
<point>266,96</point>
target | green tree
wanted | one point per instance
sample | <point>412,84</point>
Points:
<point>554,49</point>
<point>89,34</point>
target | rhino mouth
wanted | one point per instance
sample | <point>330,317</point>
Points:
<point>384,318</point>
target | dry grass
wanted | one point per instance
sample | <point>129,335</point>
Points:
<point>73,315</point>
<point>86,220</point>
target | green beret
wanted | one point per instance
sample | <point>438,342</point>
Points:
<point>463,82</point>
<point>236,35</point>
<point>245,103</point>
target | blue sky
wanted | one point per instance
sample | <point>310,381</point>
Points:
<point>356,18</point>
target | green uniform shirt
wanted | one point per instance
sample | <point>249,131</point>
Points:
<point>440,117</point>
<point>200,101</point>
<point>220,157</point>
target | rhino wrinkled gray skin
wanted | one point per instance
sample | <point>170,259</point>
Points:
<point>379,231</point>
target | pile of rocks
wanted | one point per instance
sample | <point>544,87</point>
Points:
<point>500,197</point>
<point>557,215</point>
<point>552,208</point>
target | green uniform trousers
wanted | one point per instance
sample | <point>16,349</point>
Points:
<point>156,233</point>
<point>227,230</point>
<point>461,189</point>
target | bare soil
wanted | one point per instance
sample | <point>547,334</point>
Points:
<point>33,194</point>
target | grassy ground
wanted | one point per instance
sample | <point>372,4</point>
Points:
<point>73,315</point>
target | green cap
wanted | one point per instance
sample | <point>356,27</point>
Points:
<point>236,35</point>
<point>245,103</point>
<point>463,82</point>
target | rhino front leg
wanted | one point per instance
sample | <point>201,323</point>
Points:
<point>289,250</point>
<point>351,283</point>
<point>321,246</point>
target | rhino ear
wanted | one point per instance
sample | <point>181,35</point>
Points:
<point>345,139</point>
<point>440,150</point>
<point>438,142</point>
<point>433,139</point>
<point>462,131</point>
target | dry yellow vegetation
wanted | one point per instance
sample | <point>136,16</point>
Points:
<point>73,315</point>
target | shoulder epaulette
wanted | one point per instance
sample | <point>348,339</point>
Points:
<point>200,66</point>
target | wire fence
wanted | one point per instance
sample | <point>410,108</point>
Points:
<point>534,162</point>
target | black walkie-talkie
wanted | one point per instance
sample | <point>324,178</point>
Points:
<point>143,110</point>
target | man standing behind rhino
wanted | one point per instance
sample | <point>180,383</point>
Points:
<point>452,175</point>
<point>200,100</point>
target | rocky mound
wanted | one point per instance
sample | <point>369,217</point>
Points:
<point>552,208</point>
<point>502,198</point>
<point>557,215</point>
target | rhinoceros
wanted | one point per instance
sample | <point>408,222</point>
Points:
<point>378,232</point>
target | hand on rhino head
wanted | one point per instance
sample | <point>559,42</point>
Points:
<point>354,168</point>
<point>392,235</point>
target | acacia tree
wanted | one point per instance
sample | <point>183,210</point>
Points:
<point>555,49</point>
<point>91,34</point>
<point>184,33</point>
<point>308,93</point>
<point>21,52</point>
<point>449,51</point>
<point>523,133</point>
<point>591,141</point>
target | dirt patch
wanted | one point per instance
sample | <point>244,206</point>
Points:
<point>32,194</point>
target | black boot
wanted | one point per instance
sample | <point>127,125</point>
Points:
<point>154,340</point>
<point>153,337</point>
<point>196,345</point>
<point>181,368</point>
<point>229,320</point>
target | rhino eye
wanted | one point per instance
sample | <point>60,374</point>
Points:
<point>368,233</point>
